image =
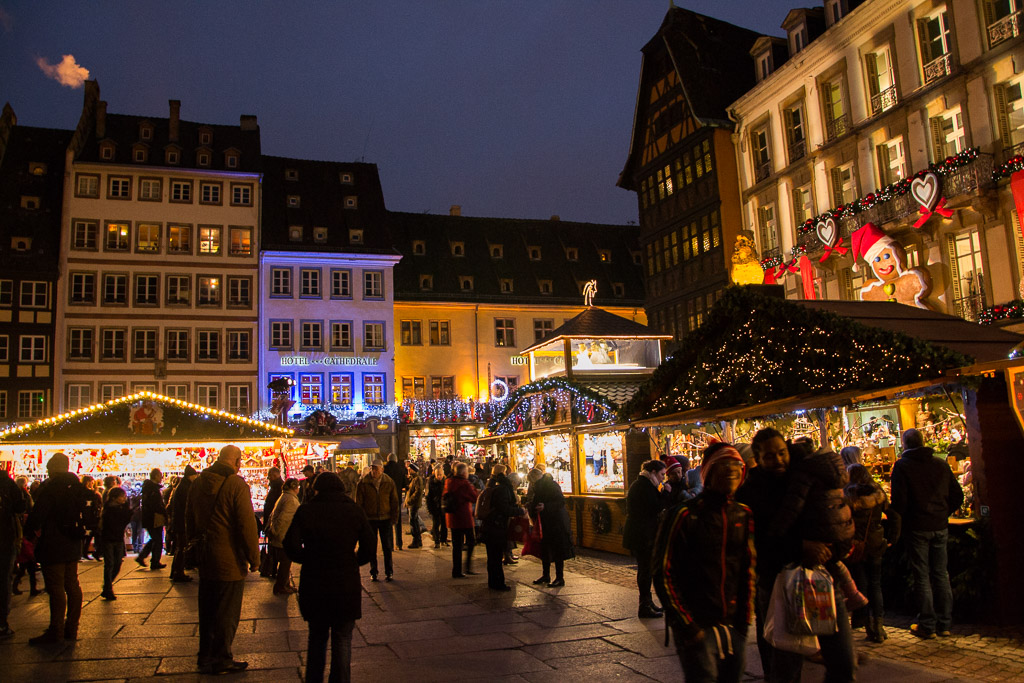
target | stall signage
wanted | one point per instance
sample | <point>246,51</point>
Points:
<point>328,360</point>
<point>519,360</point>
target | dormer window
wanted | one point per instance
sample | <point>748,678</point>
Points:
<point>37,168</point>
<point>351,202</point>
<point>764,66</point>
<point>605,255</point>
<point>534,253</point>
<point>145,131</point>
<point>458,249</point>
<point>203,159</point>
<point>107,151</point>
<point>797,39</point>
<point>466,283</point>
<point>833,11</point>
<point>497,251</point>
<point>355,236</point>
<point>346,178</point>
<point>545,286</point>
<point>205,137</point>
<point>294,201</point>
<point>506,285</point>
<point>618,290</point>
<point>140,154</point>
<point>572,254</point>
<point>426,282</point>
<point>291,174</point>
<point>172,156</point>
<point>419,247</point>
<point>320,235</point>
<point>231,158</point>
<point>637,258</point>
<point>295,233</point>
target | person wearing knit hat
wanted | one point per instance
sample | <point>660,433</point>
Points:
<point>715,454</point>
<point>676,490</point>
<point>894,281</point>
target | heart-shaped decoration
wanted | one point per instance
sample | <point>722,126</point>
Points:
<point>925,190</point>
<point>827,232</point>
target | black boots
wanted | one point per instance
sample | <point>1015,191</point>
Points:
<point>649,611</point>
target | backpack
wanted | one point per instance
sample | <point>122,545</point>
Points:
<point>483,503</point>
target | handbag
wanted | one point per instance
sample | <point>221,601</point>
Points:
<point>775,631</point>
<point>531,546</point>
<point>518,529</point>
<point>197,548</point>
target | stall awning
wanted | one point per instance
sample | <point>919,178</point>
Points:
<point>357,444</point>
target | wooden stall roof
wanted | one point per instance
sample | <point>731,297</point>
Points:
<point>595,323</point>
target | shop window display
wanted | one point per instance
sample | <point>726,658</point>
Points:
<point>557,458</point>
<point>603,468</point>
<point>431,443</point>
<point>524,456</point>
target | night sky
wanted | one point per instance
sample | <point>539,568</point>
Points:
<point>510,109</point>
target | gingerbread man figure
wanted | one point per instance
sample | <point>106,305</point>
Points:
<point>893,280</point>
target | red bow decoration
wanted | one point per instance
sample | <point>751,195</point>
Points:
<point>786,268</point>
<point>926,214</point>
<point>838,248</point>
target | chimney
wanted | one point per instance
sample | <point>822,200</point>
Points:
<point>456,210</point>
<point>101,120</point>
<point>247,122</point>
<point>172,133</point>
<point>556,217</point>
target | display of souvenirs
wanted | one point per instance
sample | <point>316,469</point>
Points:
<point>604,468</point>
<point>557,455</point>
<point>431,443</point>
<point>690,443</point>
<point>524,456</point>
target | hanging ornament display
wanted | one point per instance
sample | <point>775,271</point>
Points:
<point>927,191</point>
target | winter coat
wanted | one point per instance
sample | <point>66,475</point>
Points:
<point>924,491</point>
<point>464,494</point>
<point>230,524</point>
<point>54,507</point>
<point>554,519</point>
<point>12,506</point>
<point>281,518</point>
<point>414,492</point>
<point>643,505</point>
<point>322,538</point>
<point>94,506</point>
<point>113,523</point>
<point>350,478</point>
<point>503,506</point>
<point>273,493</point>
<point>435,489</point>
<point>763,492</point>
<point>152,504</point>
<point>814,502</point>
<point>178,505</point>
<point>378,500</point>
<point>867,522</point>
<point>397,472</point>
<point>708,568</point>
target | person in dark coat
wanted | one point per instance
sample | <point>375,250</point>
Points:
<point>461,522</point>
<point>396,471</point>
<point>435,490</point>
<point>548,502</point>
<point>154,517</point>
<point>275,486</point>
<point>331,538</point>
<point>925,493</point>
<point>110,537</point>
<point>55,517</point>
<point>177,507</point>
<point>12,505</point>
<point>644,502</point>
<point>91,518</point>
<point>501,507</point>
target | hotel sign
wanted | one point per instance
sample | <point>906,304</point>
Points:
<point>328,360</point>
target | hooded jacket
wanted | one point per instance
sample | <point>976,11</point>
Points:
<point>924,491</point>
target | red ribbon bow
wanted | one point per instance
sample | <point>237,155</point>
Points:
<point>838,248</point>
<point>785,268</point>
<point>926,214</point>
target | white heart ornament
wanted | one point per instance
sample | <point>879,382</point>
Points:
<point>925,190</point>
<point>827,232</point>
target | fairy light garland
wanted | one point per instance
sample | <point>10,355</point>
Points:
<point>1012,310</point>
<point>1008,168</point>
<point>545,398</point>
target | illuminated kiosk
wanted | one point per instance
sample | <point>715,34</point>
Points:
<point>580,374</point>
<point>131,435</point>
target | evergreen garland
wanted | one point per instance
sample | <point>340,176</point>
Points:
<point>1014,310</point>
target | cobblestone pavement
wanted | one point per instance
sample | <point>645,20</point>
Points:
<point>428,627</point>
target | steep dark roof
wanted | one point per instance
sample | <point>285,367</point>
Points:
<point>322,203</point>
<point>594,322</point>
<point>515,237</point>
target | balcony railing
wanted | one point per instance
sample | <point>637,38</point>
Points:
<point>970,306</point>
<point>884,100</point>
<point>1004,29</point>
<point>937,68</point>
<point>836,127</point>
<point>762,171</point>
<point>1010,152</point>
<point>771,253</point>
<point>797,150</point>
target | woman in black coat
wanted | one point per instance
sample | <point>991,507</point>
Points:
<point>322,538</point>
<point>556,543</point>
<point>435,490</point>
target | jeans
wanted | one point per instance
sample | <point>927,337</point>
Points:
<point>341,651</point>
<point>7,556</point>
<point>65,597</point>
<point>154,545</point>
<point>384,529</point>
<point>462,537</point>
<point>439,529</point>
<point>643,574</point>
<point>415,528</point>
<point>495,554</point>
<point>284,571</point>
<point>220,608</point>
<point>718,657</point>
<point>786,667</point>
<point>868,576</point>
<point>113,555</point>
<point>932,592</point>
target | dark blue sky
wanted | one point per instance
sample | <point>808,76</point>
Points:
<point>511,109</point>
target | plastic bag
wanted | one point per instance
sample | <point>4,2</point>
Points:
<point>518,528</point>
<point>775,631</point>
<point>810,601</point>
<point>532,544</point>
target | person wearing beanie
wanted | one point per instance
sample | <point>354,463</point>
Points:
<point>176,509</point>
<point>705,576</point>
<point>643,505</point>
<point>675,489</point>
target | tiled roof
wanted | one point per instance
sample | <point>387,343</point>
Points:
<point>319,200</point>
<point>525,254</point>
<point>616,391</point>
<point>594,322</point>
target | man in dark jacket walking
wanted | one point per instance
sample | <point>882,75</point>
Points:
<point>644,503</point>
<point>396,471</point>
<point>377,495</point>
<point>56,517</point>
<point>925,493</point>
<point>177,509</point>
<point>154,517</point>
<point>12,505</point>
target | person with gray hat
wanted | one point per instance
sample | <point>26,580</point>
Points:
<point>377,495</point>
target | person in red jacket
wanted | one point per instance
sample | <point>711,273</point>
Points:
<point>462,494</point>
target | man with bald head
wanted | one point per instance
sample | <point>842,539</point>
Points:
<point>220,508</point>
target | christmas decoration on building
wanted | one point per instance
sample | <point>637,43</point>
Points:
<point>927,191</point>
<point>894,281</point>
<point>1010,311</point>
<point>746,269</point>
<point>550,400</point>
<point>1009,167</point>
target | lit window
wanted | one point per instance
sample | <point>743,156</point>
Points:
<point>209,239</point>
<point>440,333</point>
<point>341,284</point>
<point>504,332</point>
<point>341,388</point>
<point>373,389</point>
<point>241,241</point>
<point>209,291</point>
<point>310,387</point>
<point>147,238</point>
<point>179,239</point>
<point>412,333</point>
<point>117,238</point>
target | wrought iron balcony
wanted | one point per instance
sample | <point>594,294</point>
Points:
<point>1004,29</point>
<point>938,68</point>
<point>797,150</point>
<point>762,171</point>
<point>836,127</point>
<point>884,100</point>
<point>771,253</point>
<point>1010,152</point>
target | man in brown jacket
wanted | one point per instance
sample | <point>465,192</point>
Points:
<point>220,506</point>
<point>378,496</point>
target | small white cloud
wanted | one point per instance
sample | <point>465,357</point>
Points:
<point>68,72</point>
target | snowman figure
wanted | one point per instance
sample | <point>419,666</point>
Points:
<point>893,280</point>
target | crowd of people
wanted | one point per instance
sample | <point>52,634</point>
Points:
<point>713,547</point>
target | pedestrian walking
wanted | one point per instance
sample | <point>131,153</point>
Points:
<point>177,509</point>
<point>461,495</point>
<point>925,493</point>
<point>350,479</point>
<point>378,497</point>
<point>115,518</point>
<point>154,517</point>
<point>220,518</point>
<point>495,506</point>
<point>91,519</point>
<point>56,518</point>
<point>435,494</point>
<point>268,568</point>
<point>644,503</point>
<point>279,520</point>
<point>306,485</point>
<point>26,561</point>
<point>548,503</point>
<point>12,506</point>
<point>396,471</point>
<point>330,537</point>
<point>413,502</point>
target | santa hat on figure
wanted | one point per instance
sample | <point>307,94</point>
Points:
<point>868,242</point>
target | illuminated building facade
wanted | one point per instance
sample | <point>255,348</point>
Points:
<point>158,268</point>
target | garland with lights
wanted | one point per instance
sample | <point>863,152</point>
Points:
<point>1013,310</point>
<point>754,349</point>
<point>447,410</point>
<point>539,403</point>
<point>1007,169</point>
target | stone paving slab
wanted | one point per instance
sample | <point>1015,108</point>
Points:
<point>587,674</point>
<point>455,645</point>
<point>570,648</point>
